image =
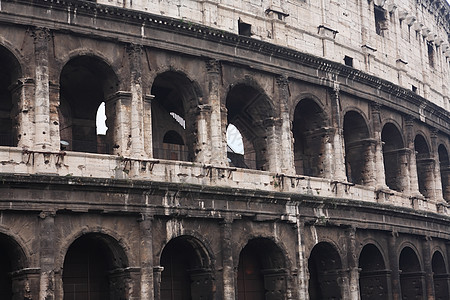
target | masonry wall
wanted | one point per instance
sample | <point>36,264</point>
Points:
<point>345,191</point>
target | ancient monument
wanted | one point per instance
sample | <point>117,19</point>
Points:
<point>341,189</point>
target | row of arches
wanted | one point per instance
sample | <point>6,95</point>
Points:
<point>87,83</point>
<point>94,269</point>
<point>375,281</point>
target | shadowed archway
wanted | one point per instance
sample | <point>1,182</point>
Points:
<point>262,272</point>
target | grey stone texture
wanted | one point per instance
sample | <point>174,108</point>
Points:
<point>343,189</point>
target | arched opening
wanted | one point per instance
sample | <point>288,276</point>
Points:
<point>174,112</point>
<point>12,258</point>
<point>358,149</point>
<point>173,146</point>
<point>394,157</point>
<point>425,166</point>
<point>325,268</point>
<point>187,272</point>
<point>374,279</point>
<point>85,83</point>
<point>440,276</point>
<point>235,147</point>
<point>444,166</point>
<point>9,74</point>
<point>94,269</point>
<point>411,275</point>
<point>309,131</point>
<point>250,111</point>
<point>261,271</point>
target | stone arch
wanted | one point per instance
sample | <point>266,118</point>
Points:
<point>67,57</point>
<point>440,276</point>
<point>85,82</point>
<point>175,107</point>
<point>395,157</point>
<point>187,270</point>
<point>309,127</point>
<point>374,279</point>
<point>424,165</point>
<point>358,148</point>
<point>325,271</point>
<point>252,112</point>
<point>262,271</point>
<point>13,260</point>
<point>411,275</point>
<point>94,267</point>
<point>10,74</point>
<point>444,167</point>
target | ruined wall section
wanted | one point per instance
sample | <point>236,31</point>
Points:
<point>405,42</point>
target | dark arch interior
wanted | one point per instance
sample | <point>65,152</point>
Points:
<point>444,166</point>
<point>393,156</point>
<point>309,138</point>
<point>85,83</point>
<point>257,275</point>
<point>440,276</point>
<point>324,265</point>
<point>356,135</point>
<point>250,111</point>
<point>9,74</point>
<point>88,267</point>
<point>12,258</point>
<point>187,272</point>
<point>411,277</point>
<point>423,163</point>
<point>174,110</point>
<point>373,279</point>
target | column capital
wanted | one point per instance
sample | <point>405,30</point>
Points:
<point>409,120</point>
<point>213,66</point>
<point>40,34</point>
<point>282,81</point>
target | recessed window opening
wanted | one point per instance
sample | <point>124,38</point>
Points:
<point>380,20</point>
<point>244,29</point>
<point>101,120</point>
<point>234,140</point>
<point>348,61</point>
<point>235,147</point>
<point>414,88</point>
<point>430,54</point>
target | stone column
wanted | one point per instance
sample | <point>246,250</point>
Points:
<point>218,141</point>
<point>148,134</point>
<point>337,140</point>
<point>137,103</point>
<point>394,264</point>
<point>429,283</point>
<point>22,94</point>
<point>227,260</point>
<point>157,281</point>
<point>273,148</point>
<point>54,116</point>
<point>203,146</point>
<point>414,182</point>
<point>379,162</point>
<point>117,109</point>
<point>146,252</point>
<point>42,91</point>
<point>353,264</point>
<point>286,138</point>
<point>437,187</point>
<point>47,255</point>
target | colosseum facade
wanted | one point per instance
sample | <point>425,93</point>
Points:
<point>341,190</point>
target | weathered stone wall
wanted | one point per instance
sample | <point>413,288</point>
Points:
<point>372,192</point>
<point>335,29</point>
